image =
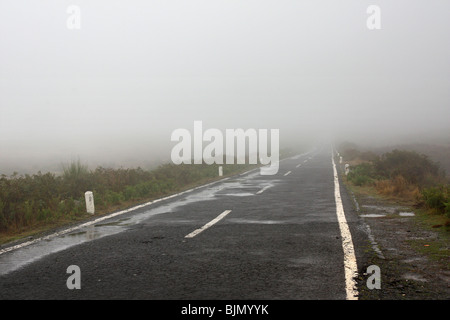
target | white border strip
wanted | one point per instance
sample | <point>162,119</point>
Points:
<point>350,266</point>
<point>209,224</point>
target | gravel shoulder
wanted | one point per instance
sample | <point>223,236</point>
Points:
<point>412,256</point>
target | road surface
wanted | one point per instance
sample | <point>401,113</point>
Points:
<point>248,237</point>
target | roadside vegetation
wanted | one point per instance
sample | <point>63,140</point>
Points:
<point>407,182</point>
<point>403,175</point>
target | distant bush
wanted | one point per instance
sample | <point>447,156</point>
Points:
<point>75,176</point>
<point>437,199</point>
<point>350,154</point>
<point>368,156</point>
<point>397,173</point>
<point>399,187</point>
<point>402,174</point>
<point>367,174</point>
<point>415,168</point>
<point>362,174</point>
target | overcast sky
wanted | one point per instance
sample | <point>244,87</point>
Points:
<point>116,88</point>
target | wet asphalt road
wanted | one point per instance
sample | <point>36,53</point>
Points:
<point>281,240</point>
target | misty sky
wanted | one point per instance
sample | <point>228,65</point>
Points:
<point>114,90</point>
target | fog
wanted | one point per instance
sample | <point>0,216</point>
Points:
<point>112,91</point>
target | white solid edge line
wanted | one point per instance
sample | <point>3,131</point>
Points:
<point>287,173</point>
<point>350,266</point>
<point>112,215</point>
<point>209,224</point>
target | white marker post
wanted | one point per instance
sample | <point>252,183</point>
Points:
<point>347,168</point>
<point>89,196</point>
<point>220,171</point>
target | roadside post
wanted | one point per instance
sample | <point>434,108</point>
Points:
<point>89,197</point>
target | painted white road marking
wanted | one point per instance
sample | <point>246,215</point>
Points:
<point>263,189</point>
<point>298,165</point>
<point>287,173</point>
<point>306,160</point>
<point>246,172</point>
<point>209,224</point>
<point>350,266</point>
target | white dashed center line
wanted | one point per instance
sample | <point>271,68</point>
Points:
<point>263,189</point>
<point>209,224</point>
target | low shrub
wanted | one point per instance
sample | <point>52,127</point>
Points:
<point>399,187</point>
<point>362,174</point>
<point>437,198</point>
<point>415,168</point>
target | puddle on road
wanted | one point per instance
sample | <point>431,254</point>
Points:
<point>414,260</point>
<point>238,194</point>
<point>386,210</point>
<point>414,277</point>
<point>382,211</point>
<point>372,215</point>
<point>13,260</point>
<point>239,186</point>
<point>406,214</point>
